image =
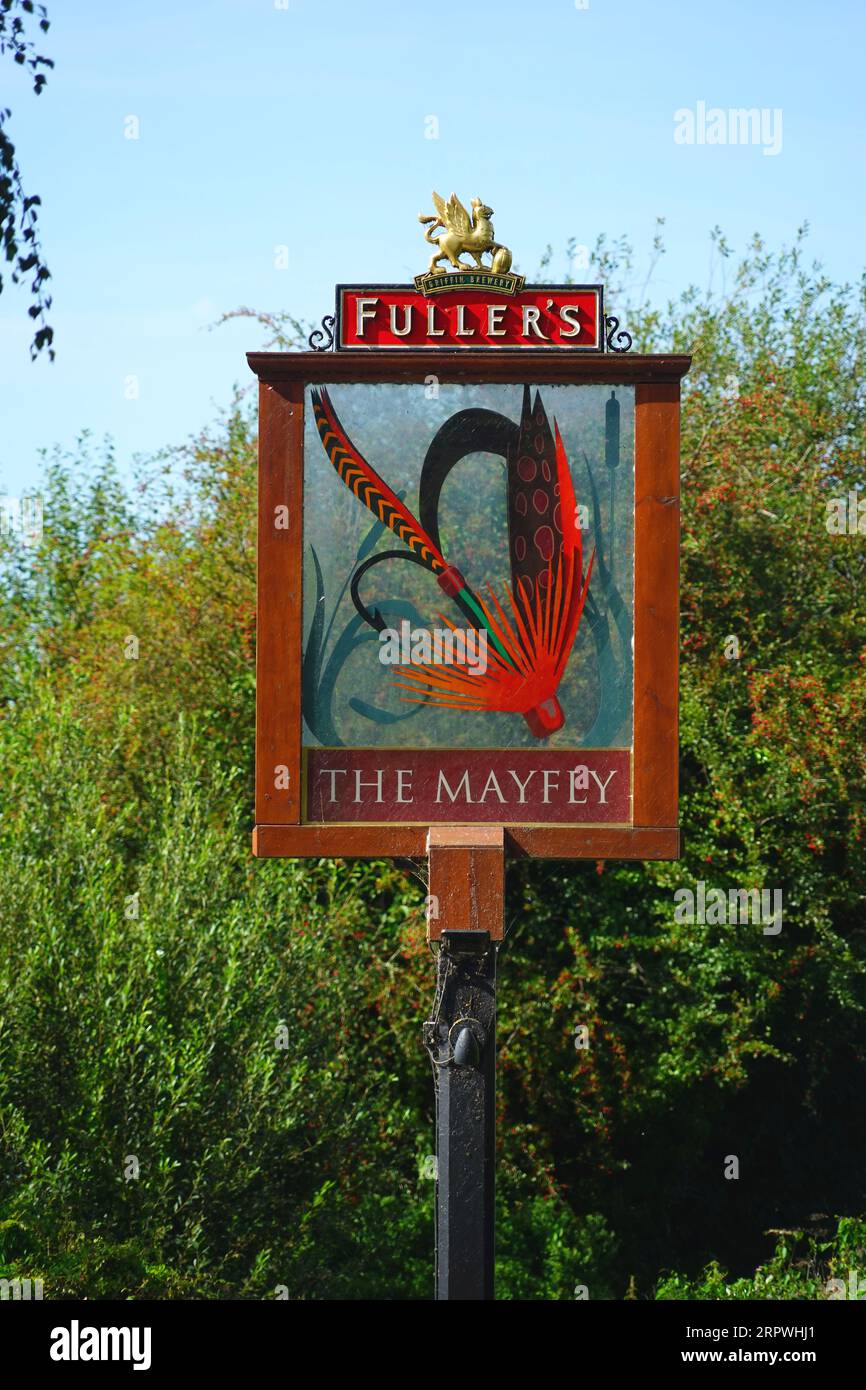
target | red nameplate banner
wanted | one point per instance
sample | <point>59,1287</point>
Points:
<point>468,310</point>
<point>424,786</point>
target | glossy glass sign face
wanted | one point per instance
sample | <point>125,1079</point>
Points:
<point>468,602</point>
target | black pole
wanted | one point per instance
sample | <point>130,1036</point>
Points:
<point>461,1040</point>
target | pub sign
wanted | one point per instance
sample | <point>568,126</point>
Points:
<point>468,553</point>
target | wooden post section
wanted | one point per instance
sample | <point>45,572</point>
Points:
<point>467,879</point>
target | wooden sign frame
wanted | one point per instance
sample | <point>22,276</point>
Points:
<point>654,833</point>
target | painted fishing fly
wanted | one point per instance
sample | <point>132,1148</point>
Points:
<point>532,625</point>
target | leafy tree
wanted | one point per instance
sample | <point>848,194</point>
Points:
<point>18,216</point>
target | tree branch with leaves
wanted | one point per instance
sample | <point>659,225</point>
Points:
<point>18,216</point>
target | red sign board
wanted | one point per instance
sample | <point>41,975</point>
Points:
<point>426,786</point>
<point>401,316</point>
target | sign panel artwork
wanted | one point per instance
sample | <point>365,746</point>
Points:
<point>468,602</point>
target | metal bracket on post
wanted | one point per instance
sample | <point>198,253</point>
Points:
<point>466,914</point>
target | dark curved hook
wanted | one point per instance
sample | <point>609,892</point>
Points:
<point>468,432</point>
<point>373,617</point>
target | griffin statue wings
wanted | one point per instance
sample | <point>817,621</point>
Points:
<point>469,233</point>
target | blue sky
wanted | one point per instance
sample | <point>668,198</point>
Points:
<point>304,127</point>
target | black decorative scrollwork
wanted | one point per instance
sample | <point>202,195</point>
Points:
<point>318,334</point>
<point>612,324</point>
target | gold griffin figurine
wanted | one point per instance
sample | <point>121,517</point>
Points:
<point>464,233</point>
